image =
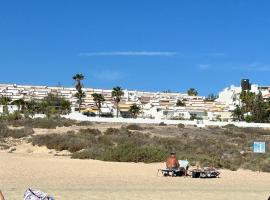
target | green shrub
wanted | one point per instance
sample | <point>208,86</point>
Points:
<point>162,124</point>
<point>256,131</point>
<point>66,122</point>
<point>112,131</point>
<point>60,142</point>
<point>217,147</point>
<point>212,127</point>
<point>234,134</point>
<point>84,123</point>
<point>3,130</point>
<point>11,116</point>
<point>18,123</point>
<point>134,127</point>
<point>15,133</point>
<point>181,125</point>
<point>132,153</point>
<point>265,167</point>
<point>90,131</point>
<point>230,126</point>
<point>249,118</point>
<point>45,123</point>
<point>71,142</point>
<point>20,133</point>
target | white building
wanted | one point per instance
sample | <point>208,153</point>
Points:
<point>230,96</point>
<point>158,105</point>
<point>10,108</point>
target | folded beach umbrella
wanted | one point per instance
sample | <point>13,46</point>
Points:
<point>31,194</point>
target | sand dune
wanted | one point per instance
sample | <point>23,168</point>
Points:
<point>66,179</point>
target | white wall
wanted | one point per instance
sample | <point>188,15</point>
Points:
<point>201,123</point>
<point>11,108</point>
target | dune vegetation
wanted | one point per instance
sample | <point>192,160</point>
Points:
<point>227,147</point>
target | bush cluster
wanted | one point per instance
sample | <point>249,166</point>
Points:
<point>229,147</point>
<point>162,124</point>
<point>83,123</point>
<point>181,125</point>
<point>134,127</point>
<point>70,141</point>
<point>15,133</point>
<point>45,123</point>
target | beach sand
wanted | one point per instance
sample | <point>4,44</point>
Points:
<point>67,178</point>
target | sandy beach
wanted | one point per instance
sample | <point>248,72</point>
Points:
<point>67,178</point>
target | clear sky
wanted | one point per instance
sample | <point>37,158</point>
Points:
<point>152,45</point>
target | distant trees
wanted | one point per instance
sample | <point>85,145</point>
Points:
<point>247,101</point>
<point>98,99</point>
<point>5,101</point>
<point>167,91</point>
<point>261,112</point>
<point>20,103</point>
<point>117,94</point>
<point>78,85</point>
<point>193,116</point>
<point>31,108</point>
<point>54,104</point>
<point>237,113</point>
<point>135,110</point>
<point>51,105</point>
<point>180,103</point>
<point>253,108</point>
<point>211,97</point>
<point>192,92</point>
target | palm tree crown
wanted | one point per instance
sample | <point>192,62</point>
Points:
<point>99,99</point>
<point>80,93</point>
<point>117,94</point>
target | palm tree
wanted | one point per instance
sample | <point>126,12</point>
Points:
<point>135,110</point>
<point>80,93</point>
<point>192,92</point>
<point>98,99</point>
<point>5,101</point>
<point>117,94</point>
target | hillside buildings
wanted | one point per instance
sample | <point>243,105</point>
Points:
<point>155,105</point>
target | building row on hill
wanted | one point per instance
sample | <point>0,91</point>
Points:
<point>157,105</point>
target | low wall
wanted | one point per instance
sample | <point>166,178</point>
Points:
<point>80,117</point>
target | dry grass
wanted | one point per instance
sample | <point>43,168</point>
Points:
<point>15,133</point>
<point>228,147</point>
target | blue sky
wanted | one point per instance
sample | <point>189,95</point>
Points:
<point>152,45</point>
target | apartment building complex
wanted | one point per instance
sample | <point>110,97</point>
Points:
<point>158,105</point>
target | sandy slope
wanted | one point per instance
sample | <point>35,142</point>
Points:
<point>89,179</point>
